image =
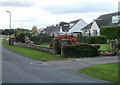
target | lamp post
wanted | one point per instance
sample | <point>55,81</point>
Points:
<point>9,26</point>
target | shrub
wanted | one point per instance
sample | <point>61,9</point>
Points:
<point>20,37</point>
<point>71,38</point>
<point>118,54</point>
<point>83,39</point>
<point>41,39</point>
<point>80,50</point>
<point>118,46</point>
<point>97,40</point>
<point>111,32</point>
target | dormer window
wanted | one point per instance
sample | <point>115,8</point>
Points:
<point>115,19</point>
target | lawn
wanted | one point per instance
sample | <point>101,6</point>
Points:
<point>102,46</point>
<point>45,45</point>
<point>107,72</point>
<point>34,54</point>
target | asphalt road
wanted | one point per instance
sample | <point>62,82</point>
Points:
<point>20,69</point>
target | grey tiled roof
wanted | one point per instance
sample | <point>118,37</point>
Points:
<point>104,20</point>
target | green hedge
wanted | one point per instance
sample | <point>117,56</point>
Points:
<point>83,39</point>
<point>111,32</point>
<point>97,40</point>
<point>80,50</point>
<point>41,39</point>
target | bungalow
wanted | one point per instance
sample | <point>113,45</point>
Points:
<point>76,26</point>
<point>93,29</point>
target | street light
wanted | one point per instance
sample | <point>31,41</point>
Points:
<point>9,25</point>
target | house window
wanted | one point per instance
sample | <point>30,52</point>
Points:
<point>94,32</point>
<point>115,19</point>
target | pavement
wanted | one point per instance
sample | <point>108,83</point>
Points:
<point>20,69</point>
<point>79,63</point>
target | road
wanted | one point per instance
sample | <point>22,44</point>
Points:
<point>20,69</point>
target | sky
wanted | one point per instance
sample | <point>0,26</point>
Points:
<point>42,13</point>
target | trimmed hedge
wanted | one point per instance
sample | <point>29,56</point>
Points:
<point>97,40</point>
<point>83,39</point>
<point>41,39</point>
<point>111,32</point>
<point>80,50</point>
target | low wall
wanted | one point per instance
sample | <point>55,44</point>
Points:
<point>32,46</point>
<point>107,53</point>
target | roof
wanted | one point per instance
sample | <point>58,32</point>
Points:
<point>75,21</point>
<point>104,20</point>
<point>88,26</point>
<point>65,28</point>
<point>54,29</point>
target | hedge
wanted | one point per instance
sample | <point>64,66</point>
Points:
<point>97,40</point>
<point>111,32</point>
<point>41,39</point>
<point>80,50</point>
<point>83,39</point>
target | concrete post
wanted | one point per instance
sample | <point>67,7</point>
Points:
<point>112,45</point>
<point>64,42</point>
<point>55,46</point>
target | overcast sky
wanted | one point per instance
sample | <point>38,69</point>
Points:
<point>42,13</point>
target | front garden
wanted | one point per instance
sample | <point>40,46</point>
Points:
<point>71,46</point>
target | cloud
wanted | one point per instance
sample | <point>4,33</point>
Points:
<point>47,12</point>
<point>16,3</point>
<point>78,6</point>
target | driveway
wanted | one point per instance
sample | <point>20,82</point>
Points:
<point>78,63</point>
<point>20,69</point>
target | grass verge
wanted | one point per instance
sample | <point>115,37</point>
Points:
<point>34,54</point>
<point>107,72</point>
<point>102,46</point>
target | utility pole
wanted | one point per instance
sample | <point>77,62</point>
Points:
<point>9,26</point>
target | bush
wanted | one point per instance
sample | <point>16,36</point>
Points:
<point>118,54</point>
<point>71,39</point>
<point>80,50</point>
<point>118,47</point>
<point>83,39</point>
<point>20,37</point>
<point>41,39</point>
<point>97,40</point>
<point>111,32</point>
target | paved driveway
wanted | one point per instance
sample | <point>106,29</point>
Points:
<point>20,69</point>
<point>75,64</point>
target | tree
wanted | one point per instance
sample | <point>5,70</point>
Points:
<point>34,29</point>
<point>63,23</point>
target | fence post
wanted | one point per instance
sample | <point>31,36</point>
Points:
<point>64,42</point>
